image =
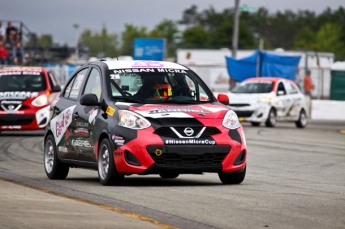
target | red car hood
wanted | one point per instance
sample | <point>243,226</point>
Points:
<point>200,111</point>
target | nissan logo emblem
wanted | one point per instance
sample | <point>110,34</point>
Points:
<point>188,131</point>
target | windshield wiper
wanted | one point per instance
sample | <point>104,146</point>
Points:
<point>129,99</point>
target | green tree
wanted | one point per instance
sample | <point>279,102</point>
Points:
<point>128,36</point>
<point>328,39</point>
<point>100,44</point>
<point>167,29</point>
<point>305,39</point>
<point>46,40</point>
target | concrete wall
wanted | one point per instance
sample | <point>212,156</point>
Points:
<point>328,110</point>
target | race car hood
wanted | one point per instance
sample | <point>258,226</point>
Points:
<point>240,98</point>
<point>200,111</point>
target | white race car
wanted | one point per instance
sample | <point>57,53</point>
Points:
<point>269,100</point>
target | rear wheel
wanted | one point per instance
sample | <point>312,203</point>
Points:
<point>169,175</point>
<point>302,120</point>
<point>255,123</point>
<point>232,178</point>
<point>272,118</point>
<point>54,168</point>
<point>107,172</point>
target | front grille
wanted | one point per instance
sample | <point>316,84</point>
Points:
<point>189,156</point>
<point>244,114</point>
<point>208,159</point>
<point>16,120</point>
<point>167,132</point>
<point>239,104</point>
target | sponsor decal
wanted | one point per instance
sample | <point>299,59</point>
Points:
<point>62,149</point>
<point>190,142</point>
<point>60,123</point>
<point>82,124</point>
<point>110,111</point>
<point>18,94</point>
<point>93,114</point>
<point>81,132</point>
<point>116,153</point>
<point>23,72</point>
<point>175,110</point>
<point>81,143</point>
<point>169,70</point>
<point>11,127</point>
<point>152,64</point>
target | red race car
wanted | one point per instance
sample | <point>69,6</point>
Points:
<point>143,117</point>
<point>25,97</point>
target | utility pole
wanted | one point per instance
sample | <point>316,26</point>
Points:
<point>235,29</point>
<point>76,26</point>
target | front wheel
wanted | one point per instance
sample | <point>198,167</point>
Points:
<point>302,120</point>
<point>232,178</point>
<point>107,172</point>
<point>169,175</point>
<point>54,168</point>
<point>272,118</point>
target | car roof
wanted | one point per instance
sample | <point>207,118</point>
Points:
<point>269,79</point>
<point>119,64</point>
<point>272,79</point>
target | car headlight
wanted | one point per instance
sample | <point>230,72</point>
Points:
<point>40,101</point>
<point>131,120</point>
<point>265,99</point>
<point>230,120</point>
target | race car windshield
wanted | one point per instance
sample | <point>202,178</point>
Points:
<point>20,81</point>
<point>253,87</point>
<point>158,85</point>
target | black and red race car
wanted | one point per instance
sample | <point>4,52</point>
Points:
<point>142,117</point>
<point>25,97</point>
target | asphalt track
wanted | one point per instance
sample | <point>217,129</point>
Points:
<point>295,179</point>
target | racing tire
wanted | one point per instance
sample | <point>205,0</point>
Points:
<point>169,175</point>
<point>272,118</point>
<point>55,169</point>
<point>255,123</point>
<point>302,120</point>
<point>107,173</point>
<point>233,177</point>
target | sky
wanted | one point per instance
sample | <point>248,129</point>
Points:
<point>58,17</point>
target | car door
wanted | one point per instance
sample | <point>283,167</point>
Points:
<point>63,121</point>
<point>296,101</point>
<point>284,100</point>
<point>85,117</point>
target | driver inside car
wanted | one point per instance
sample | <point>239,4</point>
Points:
<point>162,90</point>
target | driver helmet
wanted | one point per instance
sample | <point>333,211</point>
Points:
<point>162,90</point>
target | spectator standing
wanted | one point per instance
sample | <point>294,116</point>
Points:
<point>3,53</point>
<point>18,54</point>
<point>12,35</point>
<point>308,87</point>
<point>308,83</point>
<point>2,32</point>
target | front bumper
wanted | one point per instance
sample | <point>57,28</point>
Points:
<point>253,112</point>
<point>151,154</point>
<point>25,120</point>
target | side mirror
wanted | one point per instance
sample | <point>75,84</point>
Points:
<point>89,100</point>
<point>280,93</point>
<point>223,98</point>
<point>56,88</point>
